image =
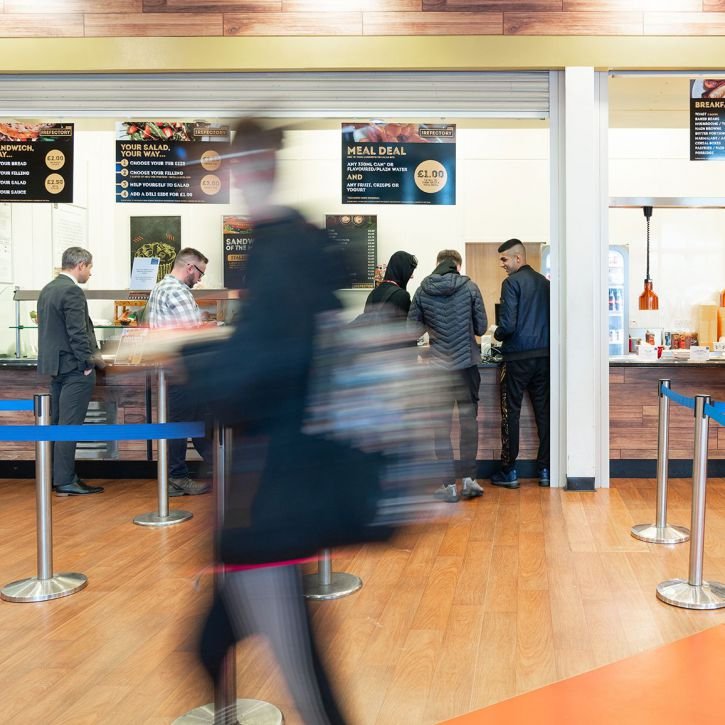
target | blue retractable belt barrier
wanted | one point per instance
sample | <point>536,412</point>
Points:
<point>101,432</point>
<point>16,405</point>
<point>677,398</point>
<point>716,412</point>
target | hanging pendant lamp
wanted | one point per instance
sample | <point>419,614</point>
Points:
<point>648,300</point>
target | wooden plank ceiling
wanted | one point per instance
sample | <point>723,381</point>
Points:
<point>197,18</point>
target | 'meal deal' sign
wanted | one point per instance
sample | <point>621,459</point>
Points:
<point>398,163</point>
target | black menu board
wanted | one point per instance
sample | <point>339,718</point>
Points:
<point>36,162</point>
<point>398,163</point>
<point>171,162</point>
<point>358,236</point>
<point>237,234</point>
<point>707,119</point>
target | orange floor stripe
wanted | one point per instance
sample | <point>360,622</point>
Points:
<point>682,682</point>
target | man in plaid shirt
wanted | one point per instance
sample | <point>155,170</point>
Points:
<point>171,304</point>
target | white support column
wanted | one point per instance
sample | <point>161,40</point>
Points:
<point>582,235</point>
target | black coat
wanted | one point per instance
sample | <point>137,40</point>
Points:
<point>392,292</point>
<point>523,323</point>
<point>66,340</point>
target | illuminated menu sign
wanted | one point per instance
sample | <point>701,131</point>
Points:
<point>171,162</point>
<point>398,163</point>
<point>357,235</point>
<point>36,162</point>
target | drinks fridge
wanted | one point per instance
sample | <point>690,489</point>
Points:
<point>617,301</point>
<point>617,295</point>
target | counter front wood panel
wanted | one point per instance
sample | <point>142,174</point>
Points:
<point>634,410</point>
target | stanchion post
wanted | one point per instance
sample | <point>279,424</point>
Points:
<point>226,709</point>
<point>162,517</point>
<point>661,532</point>
<point>696,593</point>
<point>45,586</point>
<point>328,584</point>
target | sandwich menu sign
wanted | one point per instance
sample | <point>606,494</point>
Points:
<point>171,161</point>
<point>36,162</point>
<point>398,163</point>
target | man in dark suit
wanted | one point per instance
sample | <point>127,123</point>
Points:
<point>68,352</point>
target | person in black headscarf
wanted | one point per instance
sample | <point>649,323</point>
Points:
<point>391,293</point>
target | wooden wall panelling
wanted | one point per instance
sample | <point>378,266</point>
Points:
<point>600,23</point>
<point>524,6</point>
<point>279,24</point>
<point>153,24</point>
<point>212,6</point>
<point>52,25</point>
<point>713,5</point>
<point>307,6</point>
<point>684,24</point>
<point>426,23</point>
<point>67,7</point>
<point>643,5</point>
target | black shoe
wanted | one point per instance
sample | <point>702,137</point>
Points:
<point>505,479</point>
<point>76,488</point>
<point>544,481</point>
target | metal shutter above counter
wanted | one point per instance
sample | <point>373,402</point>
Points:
<point>312,95</point>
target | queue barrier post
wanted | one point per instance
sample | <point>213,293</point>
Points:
<point>328,584</point>
<point>226,708</point>
<point>162,517</point>
<point>46,585</point>
<point>661,532</point>
<point>694,593</point>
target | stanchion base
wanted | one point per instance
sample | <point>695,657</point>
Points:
<point>249,712</point>
<point>667,534</point>
<point>153,519</point>
<point>40,590</point>
<point>678,592</point>
<point>341,585</point>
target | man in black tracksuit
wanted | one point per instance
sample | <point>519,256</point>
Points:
<point>523,328</point>
<point>449,306</point>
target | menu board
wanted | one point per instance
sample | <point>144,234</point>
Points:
<point>398,163</point>
<point>358,236</point>
<point>171,162</point>
<point>237,236</point>
<point>36,162</point>
<point>707,119</point>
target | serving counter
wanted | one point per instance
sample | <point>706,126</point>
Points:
<point>633,414</point>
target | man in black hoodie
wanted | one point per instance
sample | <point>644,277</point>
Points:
<point>523,328</point>
<point>449,306</point>
<point>391,294</point>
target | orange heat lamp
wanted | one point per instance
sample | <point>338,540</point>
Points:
<point>648,300</point>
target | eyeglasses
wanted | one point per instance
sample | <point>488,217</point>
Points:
<point>201,274</point>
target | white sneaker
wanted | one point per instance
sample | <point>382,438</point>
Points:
<point>471,489</point>
<point>448,493</point>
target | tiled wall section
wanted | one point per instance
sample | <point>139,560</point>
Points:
<point>191,18</point>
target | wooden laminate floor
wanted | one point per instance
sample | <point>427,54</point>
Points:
<point>516,590</point>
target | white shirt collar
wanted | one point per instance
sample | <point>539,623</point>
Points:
<point>71,277</point>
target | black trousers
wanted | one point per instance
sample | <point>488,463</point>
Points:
<point>516,378</point>
<point>70,394</point>
<point>462,389</point>
<point>183,407</point>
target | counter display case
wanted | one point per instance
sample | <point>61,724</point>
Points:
<point>220,305</point>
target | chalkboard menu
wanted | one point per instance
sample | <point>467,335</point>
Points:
<point>398,163</point>
<point>237,233</point>
<point>358,236</point>
<point>36,162</point>
<point>171,162</point>
<point>707,119</point>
